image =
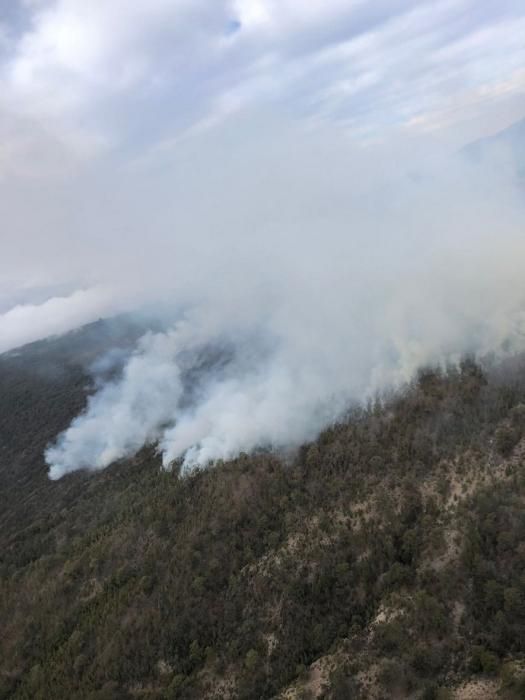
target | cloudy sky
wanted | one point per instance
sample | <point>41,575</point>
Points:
<point>96,97</point>
<point>105,75</point>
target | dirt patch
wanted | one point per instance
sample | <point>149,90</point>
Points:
<point>477,690</point>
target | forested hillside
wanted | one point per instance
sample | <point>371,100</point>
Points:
<point>384,560</point>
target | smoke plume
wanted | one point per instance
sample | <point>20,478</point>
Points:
<point>306,275</point>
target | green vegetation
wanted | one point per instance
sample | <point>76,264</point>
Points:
<point>386,559</point>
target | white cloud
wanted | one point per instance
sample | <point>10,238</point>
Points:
<point>87,50</point>
<point>126,73</point>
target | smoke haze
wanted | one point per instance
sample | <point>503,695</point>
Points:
<point>329,273</point>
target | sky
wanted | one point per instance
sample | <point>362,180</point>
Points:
<point>100,99</point>
<point>89,91</point>
<point>99,77</point>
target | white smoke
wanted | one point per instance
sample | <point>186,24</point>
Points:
<point>125,414</point>
<point>323,292</point>
<point>300,358</point>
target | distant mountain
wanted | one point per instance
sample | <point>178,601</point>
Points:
<point>506,144</point>
<point>82,345</point>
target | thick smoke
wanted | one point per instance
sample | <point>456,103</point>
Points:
<point>316,278</point>
<point>138,404</point>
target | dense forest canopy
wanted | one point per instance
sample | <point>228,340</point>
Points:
<point>385,559</point>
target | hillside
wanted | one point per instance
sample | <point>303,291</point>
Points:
<point>384,560</point>
<point>508,144</point>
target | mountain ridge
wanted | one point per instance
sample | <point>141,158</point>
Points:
<point>383,560</point>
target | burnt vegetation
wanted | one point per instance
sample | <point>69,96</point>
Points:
<point>386,559</point>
